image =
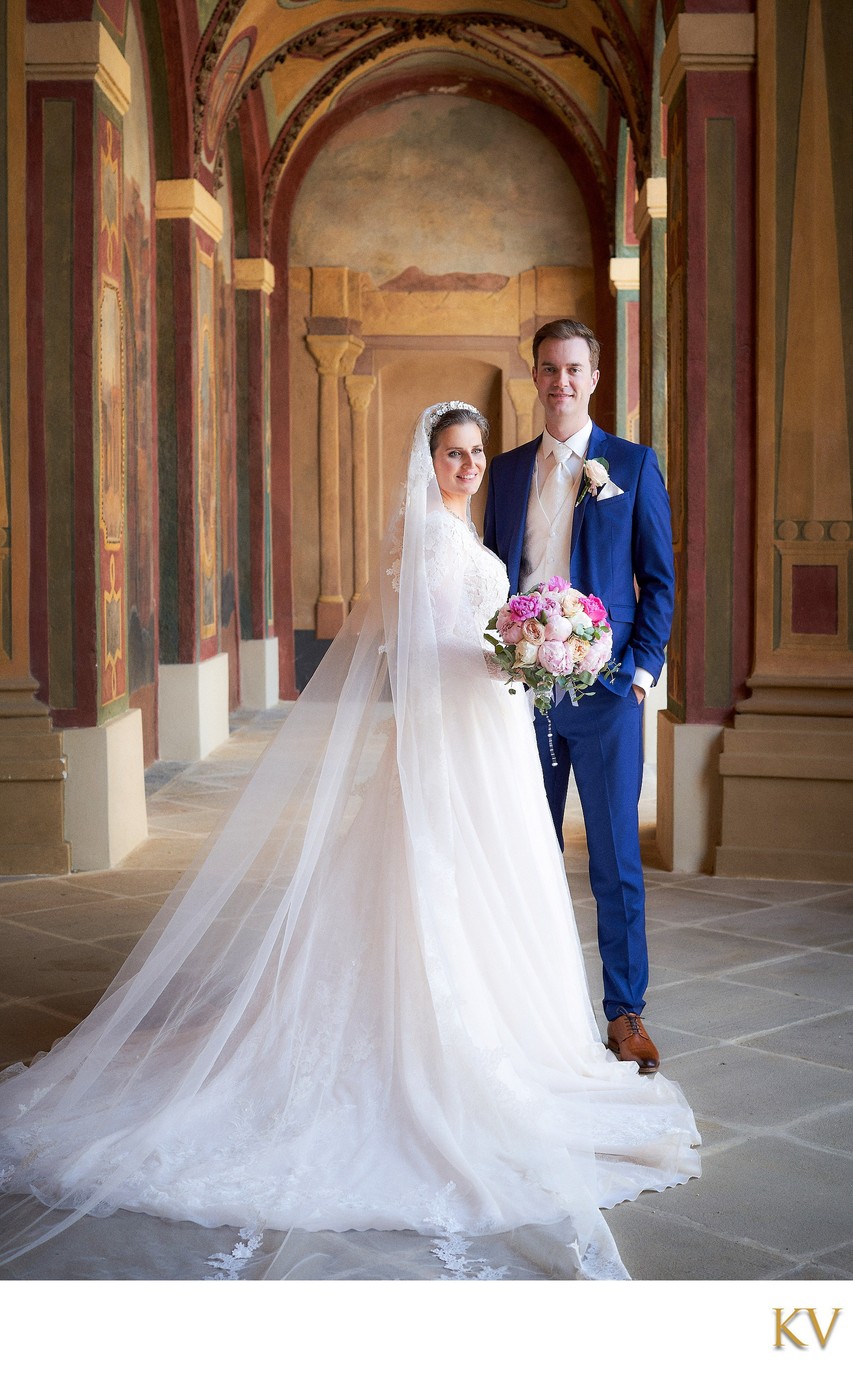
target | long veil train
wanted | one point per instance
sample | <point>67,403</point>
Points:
<point>359,1029</point>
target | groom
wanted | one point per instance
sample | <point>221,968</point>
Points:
<point>541,519</point>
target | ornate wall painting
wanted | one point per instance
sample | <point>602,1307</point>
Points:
<point>223,84</point>
<point>138,284</point>
<point>206,439</point>
<point>112,418</point>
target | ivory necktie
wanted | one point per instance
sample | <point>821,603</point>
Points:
<point>560,481</point>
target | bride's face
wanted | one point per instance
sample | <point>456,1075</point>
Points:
<point>459,460</point>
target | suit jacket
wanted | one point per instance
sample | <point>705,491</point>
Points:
<point>614,542</point>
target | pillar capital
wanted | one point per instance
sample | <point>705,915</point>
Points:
<point>187,199</point>
<point>359,388</point>
<point>254,275</point>
<point>706,43</point>
<point>651,204</point>
<point>625,274</point>
<point>334,355</point>
<point>79,52</point>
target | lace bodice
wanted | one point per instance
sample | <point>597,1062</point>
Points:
<point>467,582</point>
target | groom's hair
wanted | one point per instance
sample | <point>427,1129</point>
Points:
<point>567,329</point>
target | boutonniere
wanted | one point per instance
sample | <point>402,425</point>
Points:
<point>595,473</point>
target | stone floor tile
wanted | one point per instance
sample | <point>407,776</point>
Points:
<point>28,896</point>
<point>162,854</point>
<point>35,963</point>
<point>771,1192</point>
<point>828,1040</point>
<point>75,1005</point>
<point>678,905</point>
<point>842,1258</point>
<point>810,1271</point>
<point>700,951</point>
<point>818,974</point>
<point>800,924</point>
<point>673,1043</point>
<point>656,1246</point>
<point>832,1129</point>
<point>843,946</point>
<point>101,917</point>
<point>724,1010</point>
<point>133,883</point>
<point>25,1030</point>
<point>743,1087</point>
<point>771,891</point>
<point>840,902</point>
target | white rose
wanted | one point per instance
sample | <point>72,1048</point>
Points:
<point>525,653</point>
<point>596,473</point>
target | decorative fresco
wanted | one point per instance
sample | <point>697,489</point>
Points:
<point>409,169</point>
<point>111,417</point>
<point>138,270</point>
<point>206,439</point>
<point>224,83</point>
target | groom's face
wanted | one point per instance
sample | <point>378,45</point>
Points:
<point>565,381</point>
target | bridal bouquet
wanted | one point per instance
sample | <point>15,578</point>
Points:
<point>552,637</point>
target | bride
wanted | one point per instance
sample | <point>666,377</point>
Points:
<point>360,1027</point>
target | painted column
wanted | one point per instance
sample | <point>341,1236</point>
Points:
<point>359,390</point>
<point>650,229</point>
<point>254,279</point>
<point>707,83</point>
<point>193,683</point>
<point>79,90</point>
<point>787,761</point>
<point>334,356</point>
<point>32,766</point>
<point>625,289</point>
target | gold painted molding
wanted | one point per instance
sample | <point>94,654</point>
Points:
<point>625,274</point>
<point>706,42</point>
<point>254,275</point>
<point>651,204</point>
<point>187,199</point>
<point>79,52</point>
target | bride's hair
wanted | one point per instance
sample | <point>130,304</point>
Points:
<point>455,416</point>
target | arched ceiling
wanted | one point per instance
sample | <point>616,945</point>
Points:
<point>581,61</point>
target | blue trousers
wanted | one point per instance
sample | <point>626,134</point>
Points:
<point>601,739</point>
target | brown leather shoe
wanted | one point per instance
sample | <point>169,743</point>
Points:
<point>627,1037</point>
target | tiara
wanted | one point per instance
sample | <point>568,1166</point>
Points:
<point>441,409</point>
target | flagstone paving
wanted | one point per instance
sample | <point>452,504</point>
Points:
<point>751,1004</point>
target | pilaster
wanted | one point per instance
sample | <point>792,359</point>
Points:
<point>787,760</point>
<point>254,279</point>
<point>359,391</point>
<point>707,82</point>
<point>334,356</point>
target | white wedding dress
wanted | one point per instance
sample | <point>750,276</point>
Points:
<point>382,1024</point>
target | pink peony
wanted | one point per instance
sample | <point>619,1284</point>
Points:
<point>597,654</point>
<point>525,605</point>
<point>550,608</point>
<point>504,620</point>
<point>556,585</point>
<point>552,656</point>
<point>560,629</point>
<point>513,634</point>
<point>594,608</point>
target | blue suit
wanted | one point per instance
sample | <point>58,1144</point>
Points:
<point>614,542</point>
